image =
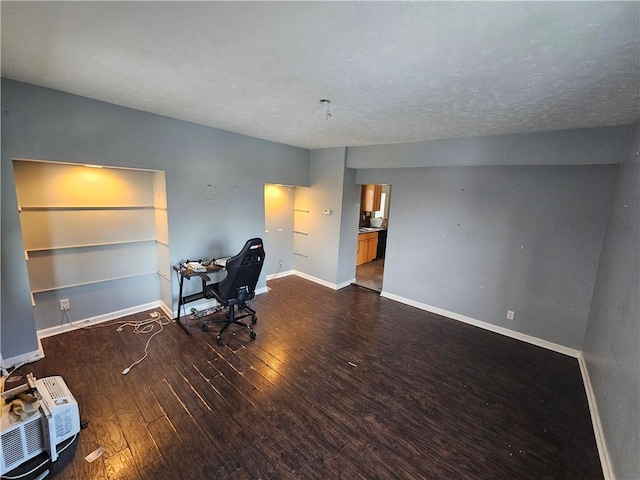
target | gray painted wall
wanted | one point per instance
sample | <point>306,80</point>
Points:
<point>612,340</point>
<point>327,243</point>
<point>215,180</point>
<point>478,241</point>
<point>567,147</point>
<point>17,325</point>
<point>523,238</point>
<point>349,228</point>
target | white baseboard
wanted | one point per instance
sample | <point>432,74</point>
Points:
<point>485,325</point>
<point>346,284</point>
<point>313,279</point>
<point>166,309</point>
<point>206,303</point>
<point>199,305</point>
<point>47,332</point>
<point>324,283</point>
<point>455,316</point>
<point>603,451</point>
<point>23,358</point>
<point>280,274</point>
<point>260,291</point>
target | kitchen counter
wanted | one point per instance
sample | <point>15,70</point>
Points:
<point>370,229</point>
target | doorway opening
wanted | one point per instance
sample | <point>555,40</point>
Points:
<point>372,236</point>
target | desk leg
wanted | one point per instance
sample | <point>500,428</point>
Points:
<point>185,325</point>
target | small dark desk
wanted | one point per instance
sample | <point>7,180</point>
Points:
<point>187,273</point>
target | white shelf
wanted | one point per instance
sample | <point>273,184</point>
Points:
<point>47,208</point>
<point>87,245</point>
<point>93,282</point>
<point>166,277</point>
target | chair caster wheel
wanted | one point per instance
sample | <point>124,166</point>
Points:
<point>219,340</point>
<point>205,328</point>
<point>254,320</point>
<point>252,335</point>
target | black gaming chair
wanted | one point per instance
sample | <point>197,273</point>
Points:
<point>238,287</point>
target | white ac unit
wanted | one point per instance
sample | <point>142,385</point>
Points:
<point>56,420</point>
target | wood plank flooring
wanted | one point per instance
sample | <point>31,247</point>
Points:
<point>369,275</point>
<point>337,385</point>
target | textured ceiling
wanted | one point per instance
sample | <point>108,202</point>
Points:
<point>394,71</point>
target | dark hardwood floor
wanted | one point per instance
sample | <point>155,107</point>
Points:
<point>369,275</point>
<point>337,385</point>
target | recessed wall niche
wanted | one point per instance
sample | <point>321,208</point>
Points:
<point>96,236</point>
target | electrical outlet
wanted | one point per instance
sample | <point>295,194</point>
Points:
<point>280,263</point>
<point>510,314</point>
<point>64,304</point>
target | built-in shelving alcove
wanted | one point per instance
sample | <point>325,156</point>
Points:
<point>97,236</point>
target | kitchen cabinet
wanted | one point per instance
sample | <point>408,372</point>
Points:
<point>370,198</point>
<point>367,247</point>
